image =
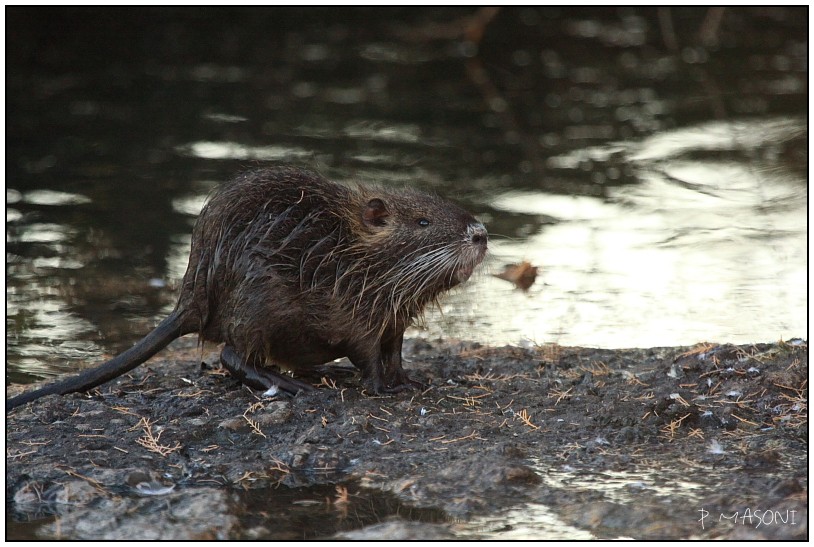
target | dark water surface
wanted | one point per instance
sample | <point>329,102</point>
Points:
<point>652,163</point>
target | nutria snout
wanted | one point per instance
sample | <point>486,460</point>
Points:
<point>288,268</point>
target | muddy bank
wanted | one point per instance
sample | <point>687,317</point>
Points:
<point>545,442</point>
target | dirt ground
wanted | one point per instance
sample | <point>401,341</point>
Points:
<point>503,443</point>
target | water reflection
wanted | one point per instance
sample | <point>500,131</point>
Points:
<point>632,490</point>
<point>534,521</point>
<point>679,257</point>
<point>237,151</point>
<point>52,197</point>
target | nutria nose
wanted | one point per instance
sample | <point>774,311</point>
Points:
<point>477,234</point>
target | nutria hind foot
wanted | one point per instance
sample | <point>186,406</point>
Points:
<point>259,377</point>
<point>401,382</point>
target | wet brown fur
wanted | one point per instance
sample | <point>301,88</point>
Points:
<point>285,268</point>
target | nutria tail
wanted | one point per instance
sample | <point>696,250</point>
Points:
<point>168,330</point>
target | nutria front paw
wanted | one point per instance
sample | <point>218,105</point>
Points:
<point>399,384</point>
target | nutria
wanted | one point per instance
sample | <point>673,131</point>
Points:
<point>290,269</point>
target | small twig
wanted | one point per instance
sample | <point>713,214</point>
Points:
<point>20,454</point>
<point>466,438</point>
<point>330,383</point>
<point>150,441</point>
<point>342,499</point>
<point>560,394</point>
<point>253,423</point>
<point>526,419</point>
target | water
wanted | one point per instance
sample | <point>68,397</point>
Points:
<point>662,192</point>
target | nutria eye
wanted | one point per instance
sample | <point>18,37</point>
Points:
<point>423,222</point>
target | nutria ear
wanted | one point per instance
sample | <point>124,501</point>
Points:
<point>375,213</point>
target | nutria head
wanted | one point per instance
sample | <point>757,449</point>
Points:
<point>407,248</point>
<point>434,239</point>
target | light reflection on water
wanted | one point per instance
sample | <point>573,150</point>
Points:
<point>236,151</point>
<point>625,487</point>
<point>699,249</point>
<point>631,489</point>
<point>43,329</point>
<point>534,521</point>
